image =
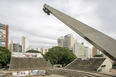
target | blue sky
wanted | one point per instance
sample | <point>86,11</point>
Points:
<point>26,18</point>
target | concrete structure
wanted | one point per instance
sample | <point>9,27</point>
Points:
<point>105,66</point>
<point>91,64</point>
<point>23,63</point>
<point>60,41</point>
<point>24,44</point>
<point>4,35</point>
<point>101,41</point>
<point>94,51</point>
<point>75,73</point>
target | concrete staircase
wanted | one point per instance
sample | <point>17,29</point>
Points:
<point>91,64</point>
<point>29,64</point>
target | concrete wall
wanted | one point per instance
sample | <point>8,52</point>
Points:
<point>108,64</point>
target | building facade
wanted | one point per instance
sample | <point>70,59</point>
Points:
<point>24,44</point>
<point>46,51</point>
<point>60,41</point>
<point>15,47</point>
<point>94,51</point>
<point>79,50</point>
<point>41,50</point>
<point>88,52</point>
<point>4,35</point>
<point>76,49</point>
<point>69,41</point>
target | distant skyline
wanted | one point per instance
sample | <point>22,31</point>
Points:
<point>26,18</point>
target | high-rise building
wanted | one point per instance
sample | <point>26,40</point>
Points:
<point>94,51</point>
<point>41,50</point>
<point>24,44</point>
<point>46,51</point>
<point>20,48</point>
<point>4,35</point>
<point>69,41</point>
<point>76,48</point>
<point>36,49</point>
<point>11,46</point>
<point>88,52</point>
<point>60,41</point>
<point>79,50</point>
<point>15,47</point>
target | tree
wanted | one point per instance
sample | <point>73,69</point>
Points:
<point>98,55</point>
<point>33,51</point>
<point>5,56</point>
<point>59,55</point>
<point>114,66</point>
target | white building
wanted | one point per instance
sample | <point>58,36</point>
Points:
<point>24,44</point>
<point>60,41</point>
<point>11,46</point>
<point>79,50</point>
<point>88,52</point>
<point>69,41</point>
<point>76,48</point>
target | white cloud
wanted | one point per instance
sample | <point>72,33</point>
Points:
<point>26,18</point>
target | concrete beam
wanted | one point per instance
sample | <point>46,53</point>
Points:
<point>101,41</point>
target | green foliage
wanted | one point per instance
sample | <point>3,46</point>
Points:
<point>98,55</point>
<point>5,56</point>
<point>33,51</point>
<point>59,55</point>
<point>114,65</point>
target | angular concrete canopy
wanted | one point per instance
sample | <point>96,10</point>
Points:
<point>101,41</point>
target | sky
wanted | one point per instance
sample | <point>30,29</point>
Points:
<point>26,18</point>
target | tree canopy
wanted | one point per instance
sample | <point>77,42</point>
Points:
<point>98,55</point>
<point>114,66</point>
<point>33,51</point>
<point>5,56</point>
<point>59,55</point>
